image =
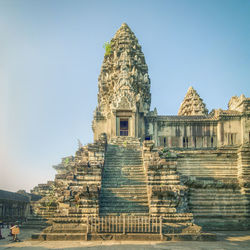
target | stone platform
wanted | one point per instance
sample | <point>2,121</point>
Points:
<point>119,237</point>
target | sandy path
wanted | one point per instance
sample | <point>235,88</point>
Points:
<point>226,240</point>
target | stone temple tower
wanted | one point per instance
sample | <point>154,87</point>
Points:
<point>124,89</point>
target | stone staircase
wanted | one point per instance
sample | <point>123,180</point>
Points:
<point>123,189</point>
<point>217,187</point>
<point>35,222</point>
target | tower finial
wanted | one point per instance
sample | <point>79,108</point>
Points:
<point>192,104</point>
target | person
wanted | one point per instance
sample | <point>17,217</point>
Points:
<point>11,225</point>
<point>15,231</point>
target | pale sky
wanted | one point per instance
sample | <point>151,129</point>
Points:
<point>51,54</point>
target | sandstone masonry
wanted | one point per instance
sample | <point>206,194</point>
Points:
<point>185,172</point>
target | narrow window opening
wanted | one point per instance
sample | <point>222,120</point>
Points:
<point>185,142</point>
<point>124,127</point>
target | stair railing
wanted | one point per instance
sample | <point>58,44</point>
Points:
<point>124,224</point>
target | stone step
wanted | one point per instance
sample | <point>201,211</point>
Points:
<point>128,159</point>
<point>119,171</point>
<point>137,164</point>
<point>125,169</point>
<point>164,183</point>
<point>123,188</point>
<point>115,214</point>
<point>225,203</point>
<point>163,177</point>
<point>115,199</point>
<point>120,162</point>
<point>113,153</point>
<point>127,185</point>
<point>219,214</point>
<point>125,179</point>
<point>214,191</point>
<point>214,196</point>
<point>128,197</point>
<point>112,178</point>
<point>123,156</point>
<point>122,182</point>
<point>218,209</point>
<point>217,199</point>
<point>122,153</point>
<point>122,194</point>
<point>115,163</point>
<point>123,209</point>
<point>134,179</point>
<point>67,230</point>
<point>124,203</point>
<point>123,173</point>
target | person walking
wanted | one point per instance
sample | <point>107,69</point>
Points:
<point>15,231</point>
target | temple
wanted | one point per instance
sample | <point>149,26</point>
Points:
<point>148,174</point>
<point>124,106</point>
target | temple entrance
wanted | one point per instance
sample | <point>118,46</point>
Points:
<point>123,127</point>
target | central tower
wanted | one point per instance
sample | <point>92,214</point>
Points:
<point>124,89</point>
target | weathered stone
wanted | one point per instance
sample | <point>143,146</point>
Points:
<point>192,104</point>
<point>190,170</point>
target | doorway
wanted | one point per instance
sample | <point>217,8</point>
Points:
<point>123,127</point>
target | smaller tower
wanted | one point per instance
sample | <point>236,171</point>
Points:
<point>192,104</point>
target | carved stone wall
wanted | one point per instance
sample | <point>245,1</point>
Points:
<point>192,104</point>
<point>220,128</point>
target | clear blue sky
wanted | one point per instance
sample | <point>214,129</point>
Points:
<point>51,54</point>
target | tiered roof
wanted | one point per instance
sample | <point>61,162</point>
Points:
<point>124,67</point>
<point>192,104</point>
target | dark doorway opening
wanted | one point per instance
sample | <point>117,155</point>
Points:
<point>123,127</point>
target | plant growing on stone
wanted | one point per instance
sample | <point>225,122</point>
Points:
<point>107,47</point>
<point>66,161</point>
<point>125,144</point>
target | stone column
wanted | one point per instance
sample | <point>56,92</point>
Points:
<point>220,134</point>
<point>244,132</point>
<point>137,123</point>
<point>112,125</point>
<point>155,132</point>
<point>132,125</point>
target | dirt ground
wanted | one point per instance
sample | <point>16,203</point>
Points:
<point>225,240</point>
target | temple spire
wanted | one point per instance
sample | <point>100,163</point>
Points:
<point>124,65</point>
<point>124,87</point>
<point>192,104</point>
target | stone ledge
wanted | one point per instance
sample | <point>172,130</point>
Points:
<point>128,236</point>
